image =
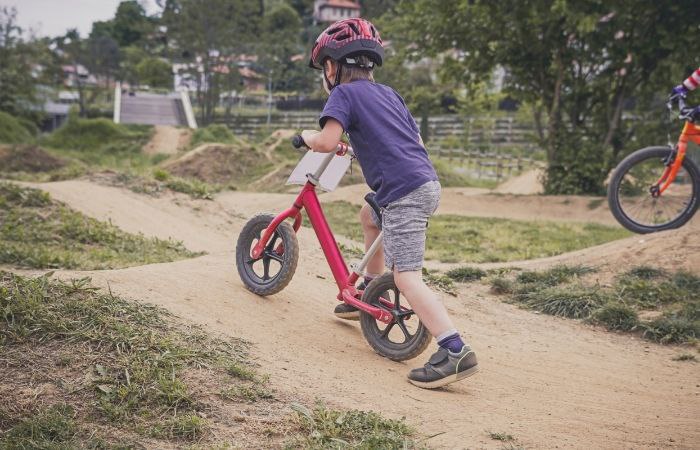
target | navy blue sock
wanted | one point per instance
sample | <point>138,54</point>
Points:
<point>452,343</point>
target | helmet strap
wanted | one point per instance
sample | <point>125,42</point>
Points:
<point>338,74</point>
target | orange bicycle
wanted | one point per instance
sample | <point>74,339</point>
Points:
<point>656,188</point>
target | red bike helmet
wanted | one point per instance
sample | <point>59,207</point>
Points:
<point>347,37</point>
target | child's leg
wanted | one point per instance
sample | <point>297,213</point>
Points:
<point>424,302</point>
<point>375,266</point>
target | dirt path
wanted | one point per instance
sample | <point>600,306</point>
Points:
<point>549,382</point>
<point>527,183</point>
<point>167,140</point>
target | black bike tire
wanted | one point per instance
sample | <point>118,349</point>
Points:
<point>635,158</point>
<point>289,258</point>
<point>396,352</point>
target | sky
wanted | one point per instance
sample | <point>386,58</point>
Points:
<point>54,17</point>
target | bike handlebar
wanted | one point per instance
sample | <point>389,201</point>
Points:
<point>684,112</point>
<point>341,149</point>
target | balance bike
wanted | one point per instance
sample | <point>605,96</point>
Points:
<point>267,252</point>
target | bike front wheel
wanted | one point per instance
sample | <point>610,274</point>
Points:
<point>405,337</point>
<point>631,195</point>
<point>273,270</point>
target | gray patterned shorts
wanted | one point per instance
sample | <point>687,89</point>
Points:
<point>404,222</point>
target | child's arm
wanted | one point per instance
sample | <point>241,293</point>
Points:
<point>326,140</point>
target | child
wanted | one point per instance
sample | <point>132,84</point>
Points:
<point>395,164</point>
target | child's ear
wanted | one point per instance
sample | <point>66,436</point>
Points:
<point>330,68</point>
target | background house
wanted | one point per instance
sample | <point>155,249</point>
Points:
<point>332,10</point>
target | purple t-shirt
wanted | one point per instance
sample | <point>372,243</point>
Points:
<point>384,137</point>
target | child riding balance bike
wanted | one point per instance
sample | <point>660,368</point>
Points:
<point>406,192</point>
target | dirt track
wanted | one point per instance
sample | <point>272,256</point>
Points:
<point>549,382</point>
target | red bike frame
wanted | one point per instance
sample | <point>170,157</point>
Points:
<point>308,199</point>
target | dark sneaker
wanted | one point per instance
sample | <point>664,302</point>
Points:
<point>445,367</point>
<point>349,312</point>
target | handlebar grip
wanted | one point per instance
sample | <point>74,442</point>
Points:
<point>298,142</point>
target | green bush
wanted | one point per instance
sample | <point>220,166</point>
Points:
<point>671,329</point>
<point>554,276</point>
<point>12,130</point>
<point>215,133</point>
<point>465,274</point>
<point>616,316</point>
<point>330,428</point>
<point>574,302</point>
<point>91,134</point>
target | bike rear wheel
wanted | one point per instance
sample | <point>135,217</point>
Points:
<point>405,337</point>
<point>630,194</point>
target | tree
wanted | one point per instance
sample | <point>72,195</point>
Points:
<point>104,57</point>
<point>281,31</point>
<point>155,72</point>
<point>205,33</point>
<point>17,91</point>
<point>373,9</point>
<point>131,25</point>
<point>577,63</point>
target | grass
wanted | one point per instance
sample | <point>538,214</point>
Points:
<point>465,274</point>
<point>129,364</point>
<point>37,232</point>
<point>327,428</point>
<point>212,133</point>
<point>112,373</point>
<point>500,436</point>
<point>100,143</point>
<point>561,291</point>
<point>12,131</point>
<point>449,177</point>
<point>685,357</point>
<point>440,282</point>
<point>554,276</point>
<point>574,302</point>
<point>452,238</point>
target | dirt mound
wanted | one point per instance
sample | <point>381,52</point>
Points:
<point>527,183</point>
<point>28,158</point>
<point>167,140</point>
<point>221,164</point>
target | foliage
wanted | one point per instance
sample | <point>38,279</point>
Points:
<point>329,428</point>
<point>36,232</point>
<point>132,361</point>
<point>452,238</point>
<point>582,63</point>
<point>214,31</point>
<point>466,274</point>
<point>554,276</point>
<point>675,297</point>
<point>440,282</point>
<point>12,131</point>
<point>101,142</point>
<point>449,177</point>
<point>215,133</point>
<point>154,72</point>
<point>17,57</point>
<point>571,301</point>
<point>616,316</point>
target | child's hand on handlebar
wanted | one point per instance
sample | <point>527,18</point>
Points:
<point>309,137</point>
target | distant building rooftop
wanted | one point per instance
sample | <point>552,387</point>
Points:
<point>333,10</point>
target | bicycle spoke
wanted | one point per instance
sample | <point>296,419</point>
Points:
<point>266,267</point>
<point>401,325</point>
<point>272,254</point>
<point>397,303</point>
<point>385,333</point>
